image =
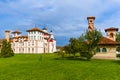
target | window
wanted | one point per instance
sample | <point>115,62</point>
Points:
<point>31,37</point>
<point>104,50</point>
<point>111,35</point>
<point>98,50</point>
<point>34,37</point>
<point>91,21</point>
<point>40,37</point>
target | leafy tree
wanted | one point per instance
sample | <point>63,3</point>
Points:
<point>61,52</point>
<point>74,46</point>
<point>89,43</point>
<point>86,44</point>
<point>118,37</point>
<point>118,40</point>
<point>67,49</point>
<point>6,50</point>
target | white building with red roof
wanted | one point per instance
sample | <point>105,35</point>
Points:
<point>36,41</point>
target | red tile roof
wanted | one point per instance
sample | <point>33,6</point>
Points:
<point>16,31</point>
<point>105,40</point>
<point>25,38</point>
<point>111,29</point>
<point>7,31</point>
<point>91,17</point>
<point>35,29</point>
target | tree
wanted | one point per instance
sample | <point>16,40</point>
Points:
<point>74,46</point>
<point>118,37</point>
<point>118,40</point>
<point>89,43</point>
<point>86,44</point>
<point>6,50</point>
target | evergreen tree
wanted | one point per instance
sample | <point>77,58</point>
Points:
<point>89,43</point>
<point>6,50</point>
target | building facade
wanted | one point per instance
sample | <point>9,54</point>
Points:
<point>107,44</point>
<point>36,41</point>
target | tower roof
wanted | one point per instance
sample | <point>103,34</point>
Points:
<point>44,28</point>
<point>90,17</point>
<point>111,29</point>
<point>7,31</point>
<point>16,31</point>
<point>34,29</point>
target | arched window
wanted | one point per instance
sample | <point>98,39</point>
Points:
<point>104,50</point>
<point>98,50</point>
<point>111,35</point>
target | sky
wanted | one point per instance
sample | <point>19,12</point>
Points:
<point>66,18</point>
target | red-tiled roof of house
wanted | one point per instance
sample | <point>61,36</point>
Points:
<point>23,37</point>
<point>35,29</point>
<point>16,31</point>
<point>105,40</point>
<point>111,29</point>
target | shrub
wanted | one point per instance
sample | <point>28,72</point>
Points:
<point>6,50</point>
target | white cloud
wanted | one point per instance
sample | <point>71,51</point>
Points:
<point>66,17</point>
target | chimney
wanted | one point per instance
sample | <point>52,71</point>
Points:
<point>7,35</point>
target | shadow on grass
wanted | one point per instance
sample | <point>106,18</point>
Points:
<point>116,61</point>
<point>71,58</point>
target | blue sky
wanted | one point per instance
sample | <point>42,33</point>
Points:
<point>67,18</point>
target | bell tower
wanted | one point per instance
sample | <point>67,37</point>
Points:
<point>90,23</point>
<point>111,33</point>
<point>7,35</point>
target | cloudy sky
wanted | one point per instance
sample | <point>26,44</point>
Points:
<point>67,18</point>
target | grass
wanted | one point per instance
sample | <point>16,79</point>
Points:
<point>52,67</point>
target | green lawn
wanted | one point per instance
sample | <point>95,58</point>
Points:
<point>51,67</point>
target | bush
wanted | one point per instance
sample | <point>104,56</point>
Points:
<point>118,55</point>
<point>87,55</point>
<point>6,50</point>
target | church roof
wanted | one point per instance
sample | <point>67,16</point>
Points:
<point>35,29</point>
<point>111,29</point>
<point>105,41</point>
<point>16,31</point>
<point>44,28</point>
